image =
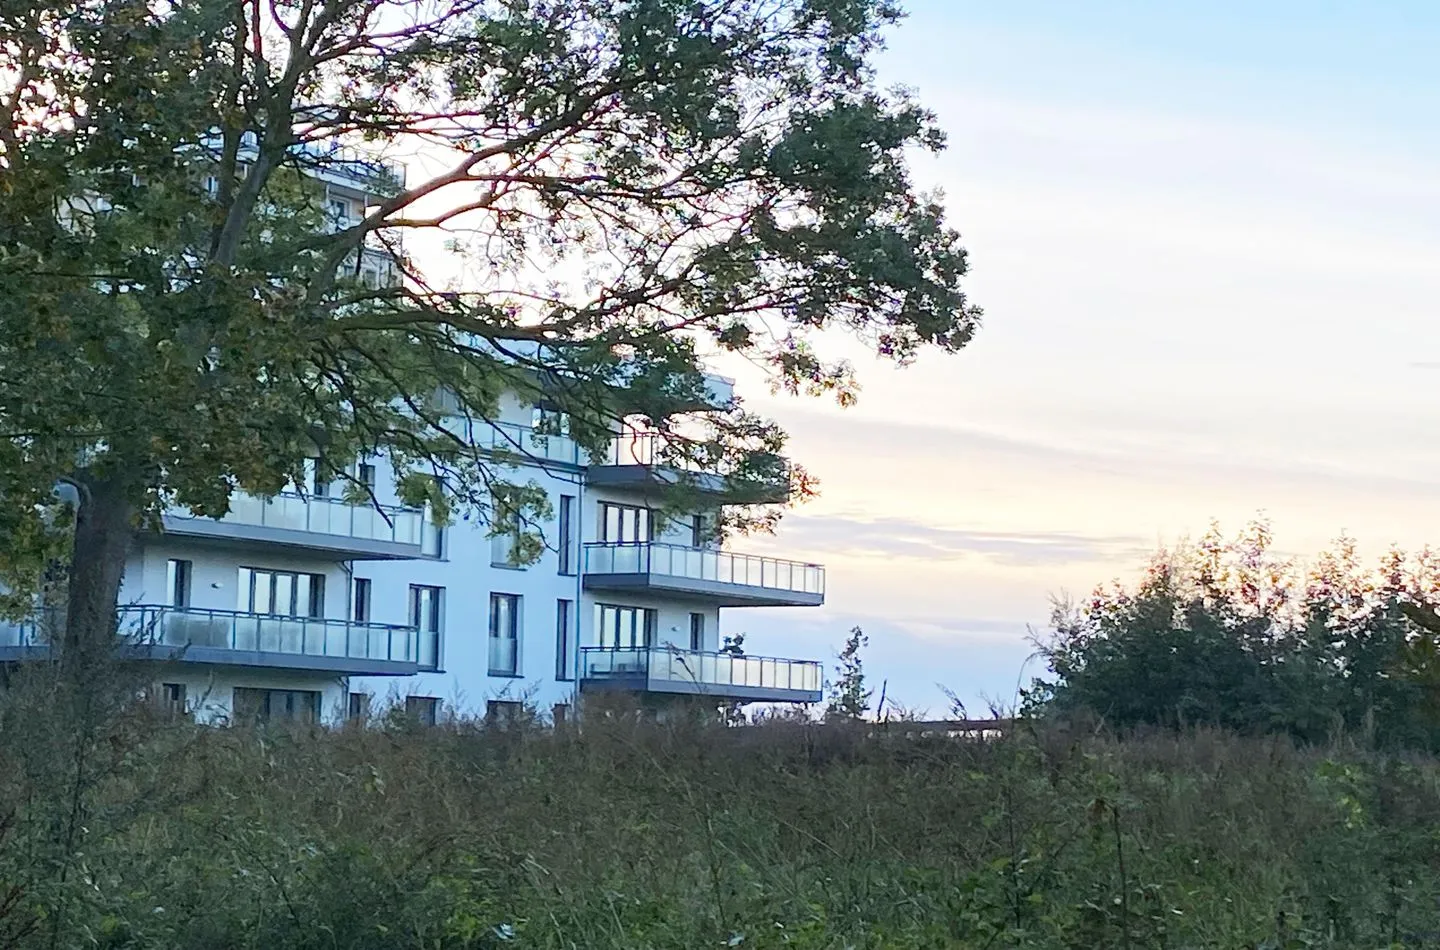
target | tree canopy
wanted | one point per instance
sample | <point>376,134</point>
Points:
<point>1227,632</point>
<point>623,186</point>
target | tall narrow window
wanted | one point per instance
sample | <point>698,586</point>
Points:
<point>359,707</point>
<point>697,631</point>
<point>338,211</point>
<point>365,475</point>
<point>432,536</point>
<point>504,634</point>
<point>565,543</point>
<point>177,583</point>
<point>564,610</point>
<point>502,545</point>
<point>697,531</point>
<point>172,698</point>
<point>319,483</point>
<point>426,614</point>
<point>360,610</point>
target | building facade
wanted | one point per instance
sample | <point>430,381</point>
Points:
<point>309,606</point>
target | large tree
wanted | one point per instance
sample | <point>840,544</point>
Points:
<point>623,185</point>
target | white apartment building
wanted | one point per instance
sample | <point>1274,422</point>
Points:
<point>306,606</point>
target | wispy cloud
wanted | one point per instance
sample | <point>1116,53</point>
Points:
<point>892,537</point>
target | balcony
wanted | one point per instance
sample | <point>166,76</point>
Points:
<point>649,460</point>
<point>350,167</point>
<point>231,638</point>
<point>719,577</point>
<point>322,525</point>
<point>527,445</point>
<point>669,670</point>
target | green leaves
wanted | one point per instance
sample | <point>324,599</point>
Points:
<point>629,186</point>
<point>1224,632</point>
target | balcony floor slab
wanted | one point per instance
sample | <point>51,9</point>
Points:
<point>719,593</point>
<point>247,535</point>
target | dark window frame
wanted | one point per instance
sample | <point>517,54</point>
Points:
<point>515,605</point>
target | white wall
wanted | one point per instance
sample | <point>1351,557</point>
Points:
<point>210,689</point>
<point>215,572</point>
<point>468,577</point>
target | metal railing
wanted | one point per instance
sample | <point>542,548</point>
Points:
<point>324,515</point>
<point>526,442</point>
<point>359,166</point>
<point>657,448</point>
<point>693,668</point>
<point>763,474</point>
<point>29,632</point>
<point>701,564</point>
<point>262,633</point>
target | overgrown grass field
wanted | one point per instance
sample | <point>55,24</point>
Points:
<point>686,836</point>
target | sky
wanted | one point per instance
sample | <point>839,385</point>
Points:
<point>1206,238</point>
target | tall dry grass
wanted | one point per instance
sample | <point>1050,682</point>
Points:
<point>146,832</point>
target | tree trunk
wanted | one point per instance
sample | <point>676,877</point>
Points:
<point>104,530</point>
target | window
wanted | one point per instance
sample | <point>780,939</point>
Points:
<point>177,583</point>
<point>624,627</point>
<point>565,544</point>
<point>504,634</point>
<point>338,210</point>
<point>432,538</point>
<point>698,538</point>
<point>560,713</point>
<point>365,475</point>
<point>502,545</point>
<point>319,484</point>
<point>423,709</point>
<point>625,524</point>
<point>432,535</point>
<point>359,707</point>
<point>360,608</point>
<point>283,593</point>
<point>504,712</point>
<point>564,609</point>
<point>697,631</point>
<point>276,705</point>
<point>426,614</point>
<point>172,699</point>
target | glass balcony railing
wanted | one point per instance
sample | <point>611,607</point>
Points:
<point>526,442</point>
<point>724,567</point>
<point>658,449</point>
<point>502,656</point>
<point>367,171</point>
<point>266,633</point>
<point>324,515</point>
<point>253,633</point>
<point>23,633</point>
<point>755,478</point>
<point>669,669</point>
